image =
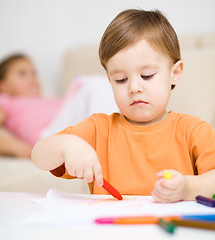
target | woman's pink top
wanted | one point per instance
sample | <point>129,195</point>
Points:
<point>26,117</point>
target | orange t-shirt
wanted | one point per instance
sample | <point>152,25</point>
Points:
<point>131,155</point>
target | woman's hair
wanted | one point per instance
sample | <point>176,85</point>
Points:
<point>7,62</point>
<point>133,25</point>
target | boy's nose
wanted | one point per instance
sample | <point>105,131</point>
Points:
<point>136,86</point>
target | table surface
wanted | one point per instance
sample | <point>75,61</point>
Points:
<point>15,206</point>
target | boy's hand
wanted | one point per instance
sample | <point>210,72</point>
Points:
<point>79,157</point>
<point>169,190</point>
<point>82,162</point>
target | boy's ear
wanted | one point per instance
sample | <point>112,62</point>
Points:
<point>177,70</point>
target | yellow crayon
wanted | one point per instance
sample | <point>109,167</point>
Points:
<point>167,175</point>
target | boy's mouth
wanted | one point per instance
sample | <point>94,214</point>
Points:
<point>138,102</point>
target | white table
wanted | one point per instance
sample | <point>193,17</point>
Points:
<point>14,206</point>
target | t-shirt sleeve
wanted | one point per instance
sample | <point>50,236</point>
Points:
<point>85,129</point>
<point>202,145</point>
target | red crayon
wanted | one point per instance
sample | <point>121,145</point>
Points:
<point>111,190</point>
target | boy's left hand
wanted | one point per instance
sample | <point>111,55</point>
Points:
<point>169,190</point>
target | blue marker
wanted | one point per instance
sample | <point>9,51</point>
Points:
<point>203,217</point>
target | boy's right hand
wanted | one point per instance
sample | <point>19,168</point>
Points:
<point>82,162</point>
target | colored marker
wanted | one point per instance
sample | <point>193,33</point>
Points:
<point>202,217</point>
<point>128,220</point>
<point>111,190</point>
<point>152,219</point>
<point>168,226</point>
<point>194,224</point>
<point>167,175</point>
<point>213,196</point>
<point>205,201</point>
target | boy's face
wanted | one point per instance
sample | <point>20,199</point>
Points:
<point>141,78</point>
<point>21,79</point>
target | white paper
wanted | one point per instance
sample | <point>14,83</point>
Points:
<point>69,209</point>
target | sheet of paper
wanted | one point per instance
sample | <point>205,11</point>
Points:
<point>79,209</point>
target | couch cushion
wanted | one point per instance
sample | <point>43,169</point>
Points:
<point>21,175</point>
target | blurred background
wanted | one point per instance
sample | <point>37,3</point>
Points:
<point>62,38</point>
<point>46,29</point>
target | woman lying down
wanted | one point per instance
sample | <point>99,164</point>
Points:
<point>26,115</point>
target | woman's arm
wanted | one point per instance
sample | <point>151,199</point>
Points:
<point>13,146</point>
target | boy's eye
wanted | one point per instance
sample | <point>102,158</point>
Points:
<point>121,80</point>
<point>147,77</point>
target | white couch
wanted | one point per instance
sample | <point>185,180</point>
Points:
<point>21,175</point>
<point>193,95</point>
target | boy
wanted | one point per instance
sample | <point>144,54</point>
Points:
<point>141,54</point>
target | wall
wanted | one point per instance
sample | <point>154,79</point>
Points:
<point>45,29</point>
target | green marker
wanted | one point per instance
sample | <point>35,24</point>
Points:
<point>167,225</point>
<point>213,196</point>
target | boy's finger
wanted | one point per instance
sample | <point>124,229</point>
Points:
<point>88,175</point>
<point>162,196</point>
<point>156,198</point>
<point>98,175</point>
<point>160,199</point>
<point>79,173</point>
<point>169,183</point>
<point>161,173</point>
<point>72,172</point>
<point>161,190</point>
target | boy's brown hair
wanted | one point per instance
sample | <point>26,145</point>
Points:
<point>7,62</point>
<point>130,26</point>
